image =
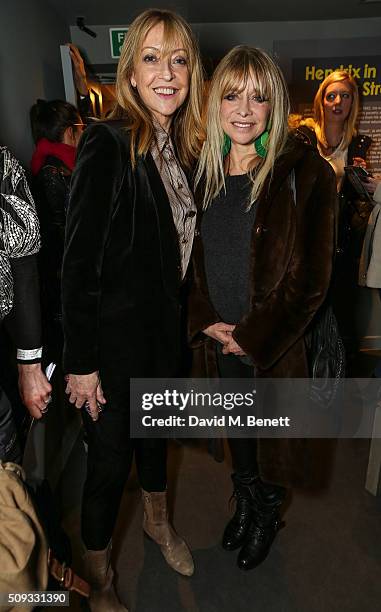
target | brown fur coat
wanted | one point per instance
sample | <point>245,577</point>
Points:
<point>292,250</point>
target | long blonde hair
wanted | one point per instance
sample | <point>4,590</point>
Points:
<point>349,126</point>
<point>232,74</point>
<point>186,130</point>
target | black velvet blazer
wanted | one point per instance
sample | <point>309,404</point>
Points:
<point>292,251</point>
<point>121,270</point>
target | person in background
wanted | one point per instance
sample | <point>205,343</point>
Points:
<point>370,261</point>
<point>19,297</point>
<point>261,265</point>
<point>56,128</point>
<point>129,235</point>
<point>336,108</point>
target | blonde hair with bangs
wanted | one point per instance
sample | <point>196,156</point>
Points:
<point>186,129</point>
<point>241,64</point>
<point>349,128</point>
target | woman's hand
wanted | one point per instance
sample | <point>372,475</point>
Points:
<point>222,332</point>
<point>219,331</point>
<point>34,388</point>
<point>233,347</point>
<point>86,389</point>
<point>359,161</point>
<point>79,70</point>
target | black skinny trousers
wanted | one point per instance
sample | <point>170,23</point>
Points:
<point>243,450</point>
<point>110,455</point>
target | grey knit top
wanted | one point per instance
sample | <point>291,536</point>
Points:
<point>226,229</point>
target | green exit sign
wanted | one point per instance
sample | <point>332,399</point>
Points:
<point>116,40</point>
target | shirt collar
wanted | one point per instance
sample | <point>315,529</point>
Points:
<point>163,138</point>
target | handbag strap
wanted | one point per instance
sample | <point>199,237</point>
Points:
<point>66,577</point>
<point>292,180</point>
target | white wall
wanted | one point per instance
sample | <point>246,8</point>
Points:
<point>30,67</point>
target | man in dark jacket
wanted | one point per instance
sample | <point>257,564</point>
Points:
<point>19,297</point>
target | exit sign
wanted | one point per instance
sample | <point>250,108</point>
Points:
<point>116,40</point>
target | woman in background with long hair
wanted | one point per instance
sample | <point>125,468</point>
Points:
<point>336,109</point>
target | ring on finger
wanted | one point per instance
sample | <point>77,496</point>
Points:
<point>45,408</point>
<point>88,410</point>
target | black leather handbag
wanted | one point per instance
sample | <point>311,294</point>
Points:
<point>326,356</point>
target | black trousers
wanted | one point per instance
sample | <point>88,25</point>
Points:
<point>110,455</point>
<point>111,451</point>
<point>243,450</point>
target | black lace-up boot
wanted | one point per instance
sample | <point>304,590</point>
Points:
<point>265,523</point>
<point>237,528</point>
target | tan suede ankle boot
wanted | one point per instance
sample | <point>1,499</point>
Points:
<point>156,525</point>
<point>100,577</point>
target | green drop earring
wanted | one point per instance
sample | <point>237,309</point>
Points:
<point>260,143</point>
<point>226,145</point>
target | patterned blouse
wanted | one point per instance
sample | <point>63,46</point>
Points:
<point>179,195</point>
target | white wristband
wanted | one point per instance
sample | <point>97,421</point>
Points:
<point>28,355</point>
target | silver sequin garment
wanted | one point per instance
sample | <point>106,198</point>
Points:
<point>19,227</point>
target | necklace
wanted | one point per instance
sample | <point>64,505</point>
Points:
<point>330,147</point>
